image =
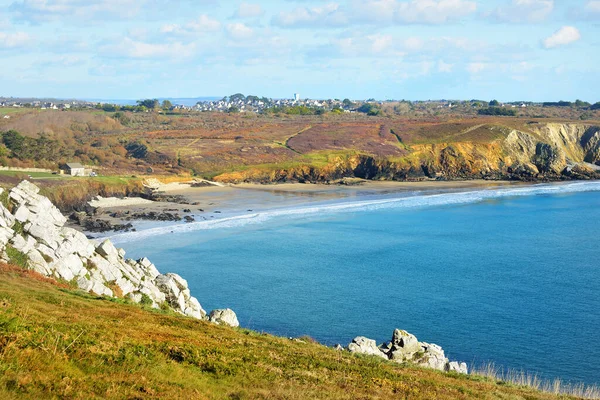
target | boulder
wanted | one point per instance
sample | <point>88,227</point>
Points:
<point>363,345</point>
<point>454,366</point>
<point>224,317</point>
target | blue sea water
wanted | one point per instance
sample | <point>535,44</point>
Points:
<point>510,276</point>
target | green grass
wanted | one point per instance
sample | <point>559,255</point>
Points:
<point>59,343</point>
<point>30,173</point>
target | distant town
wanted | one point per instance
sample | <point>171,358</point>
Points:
<point>240,103</point>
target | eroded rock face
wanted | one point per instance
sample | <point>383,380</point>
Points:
<point>404,347</point>
<point>61,252</point>
<point>224,317</point>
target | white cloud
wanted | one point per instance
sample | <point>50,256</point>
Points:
<point>444,67</point>
<point>565,35</point>
<point>248,10</point>
<point>303,17</point>
<point>521,11</point>
<point>130,48</point>
<point>593,6</point>
<point>48,10</point>
<point>200,25</point>
<point>14,40</point>
<point>378,12</point>
<point>433,11</point>
<point>476,67</point>
<point>239,31</point>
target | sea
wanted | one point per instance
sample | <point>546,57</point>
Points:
<point>509,276</point>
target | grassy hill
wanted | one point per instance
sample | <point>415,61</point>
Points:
<point>60,343</point>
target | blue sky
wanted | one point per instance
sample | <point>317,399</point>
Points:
<point>386,49</point>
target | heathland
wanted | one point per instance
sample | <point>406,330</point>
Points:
<point>401,141</point>
<point>57,342</point>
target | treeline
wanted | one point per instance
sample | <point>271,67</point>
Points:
<point>576,103</point>
<point>295,110</point>
<point>500,111</point>
<point>19,150</point>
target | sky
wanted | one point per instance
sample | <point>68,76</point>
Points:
<point>510,50</point>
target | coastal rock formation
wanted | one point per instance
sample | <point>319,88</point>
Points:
<point>531,152</point>
<point>364,345</point>
<point>224,317</point>
<point>404,347</point>
<point>34,230</point>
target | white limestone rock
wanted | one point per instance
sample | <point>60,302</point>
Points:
<point>363,345</point>
<point>224,317</point>
<point>62,252</point>
<point>460,368</point>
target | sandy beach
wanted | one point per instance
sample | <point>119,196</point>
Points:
<point>210,202</point>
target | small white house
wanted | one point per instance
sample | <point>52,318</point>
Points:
<point>73,169</point>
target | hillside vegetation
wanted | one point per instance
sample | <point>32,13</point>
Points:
<point>393,145</point>
<point>60,343</point>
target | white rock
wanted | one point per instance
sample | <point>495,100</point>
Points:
<point>7,220</point>
<point>224,317</point>
<point>460,368</point>
<point>22,214</point>
<point>363,345</point>
<point>107,250</point>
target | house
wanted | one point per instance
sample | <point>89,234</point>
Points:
<point>73,169</point>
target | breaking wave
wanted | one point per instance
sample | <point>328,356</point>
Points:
<point>418,201</point>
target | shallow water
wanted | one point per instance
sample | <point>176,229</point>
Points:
<point>504,275</point>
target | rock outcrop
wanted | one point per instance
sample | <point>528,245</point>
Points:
<point>405,348</point>
<point>224,317</point>
<point>34,229</point>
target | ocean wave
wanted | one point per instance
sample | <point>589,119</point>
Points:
<point>417,201</point>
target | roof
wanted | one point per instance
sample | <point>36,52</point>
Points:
<point>74,165</point>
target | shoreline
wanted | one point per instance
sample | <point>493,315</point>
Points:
<point>254,204</point>
<point>212,202</point>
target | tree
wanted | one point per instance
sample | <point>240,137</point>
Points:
<point>369,109</point>
<point>497,111</point>
<point>236,97</point>
<point>166,105</point>
<point>595,106</point>
<point>347,103</point>
<point>494,103</point>
<point>150,104</point>
<point>579,103</point>
<point>13,140</point>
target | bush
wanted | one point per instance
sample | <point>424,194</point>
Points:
<point>146,300</point>
<point>497,111</point>
<point>17,257</point>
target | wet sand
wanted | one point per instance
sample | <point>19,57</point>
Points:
<point>235,199</point>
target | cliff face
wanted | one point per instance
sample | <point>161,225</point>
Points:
<point>551,151</point>
<point>33,233</point>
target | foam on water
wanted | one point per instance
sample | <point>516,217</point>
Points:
<point>418,201</point>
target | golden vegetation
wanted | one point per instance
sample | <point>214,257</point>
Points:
<point>58,343</point>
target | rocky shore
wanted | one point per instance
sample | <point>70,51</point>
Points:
<point>33,233</point>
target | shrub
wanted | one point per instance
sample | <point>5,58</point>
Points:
<point>17,257</point>
<point>146,300</point>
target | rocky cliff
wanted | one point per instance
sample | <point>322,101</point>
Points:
<point>536,152</point>
<point>32,232</point>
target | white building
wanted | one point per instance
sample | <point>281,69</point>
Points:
<point>297,96</point>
